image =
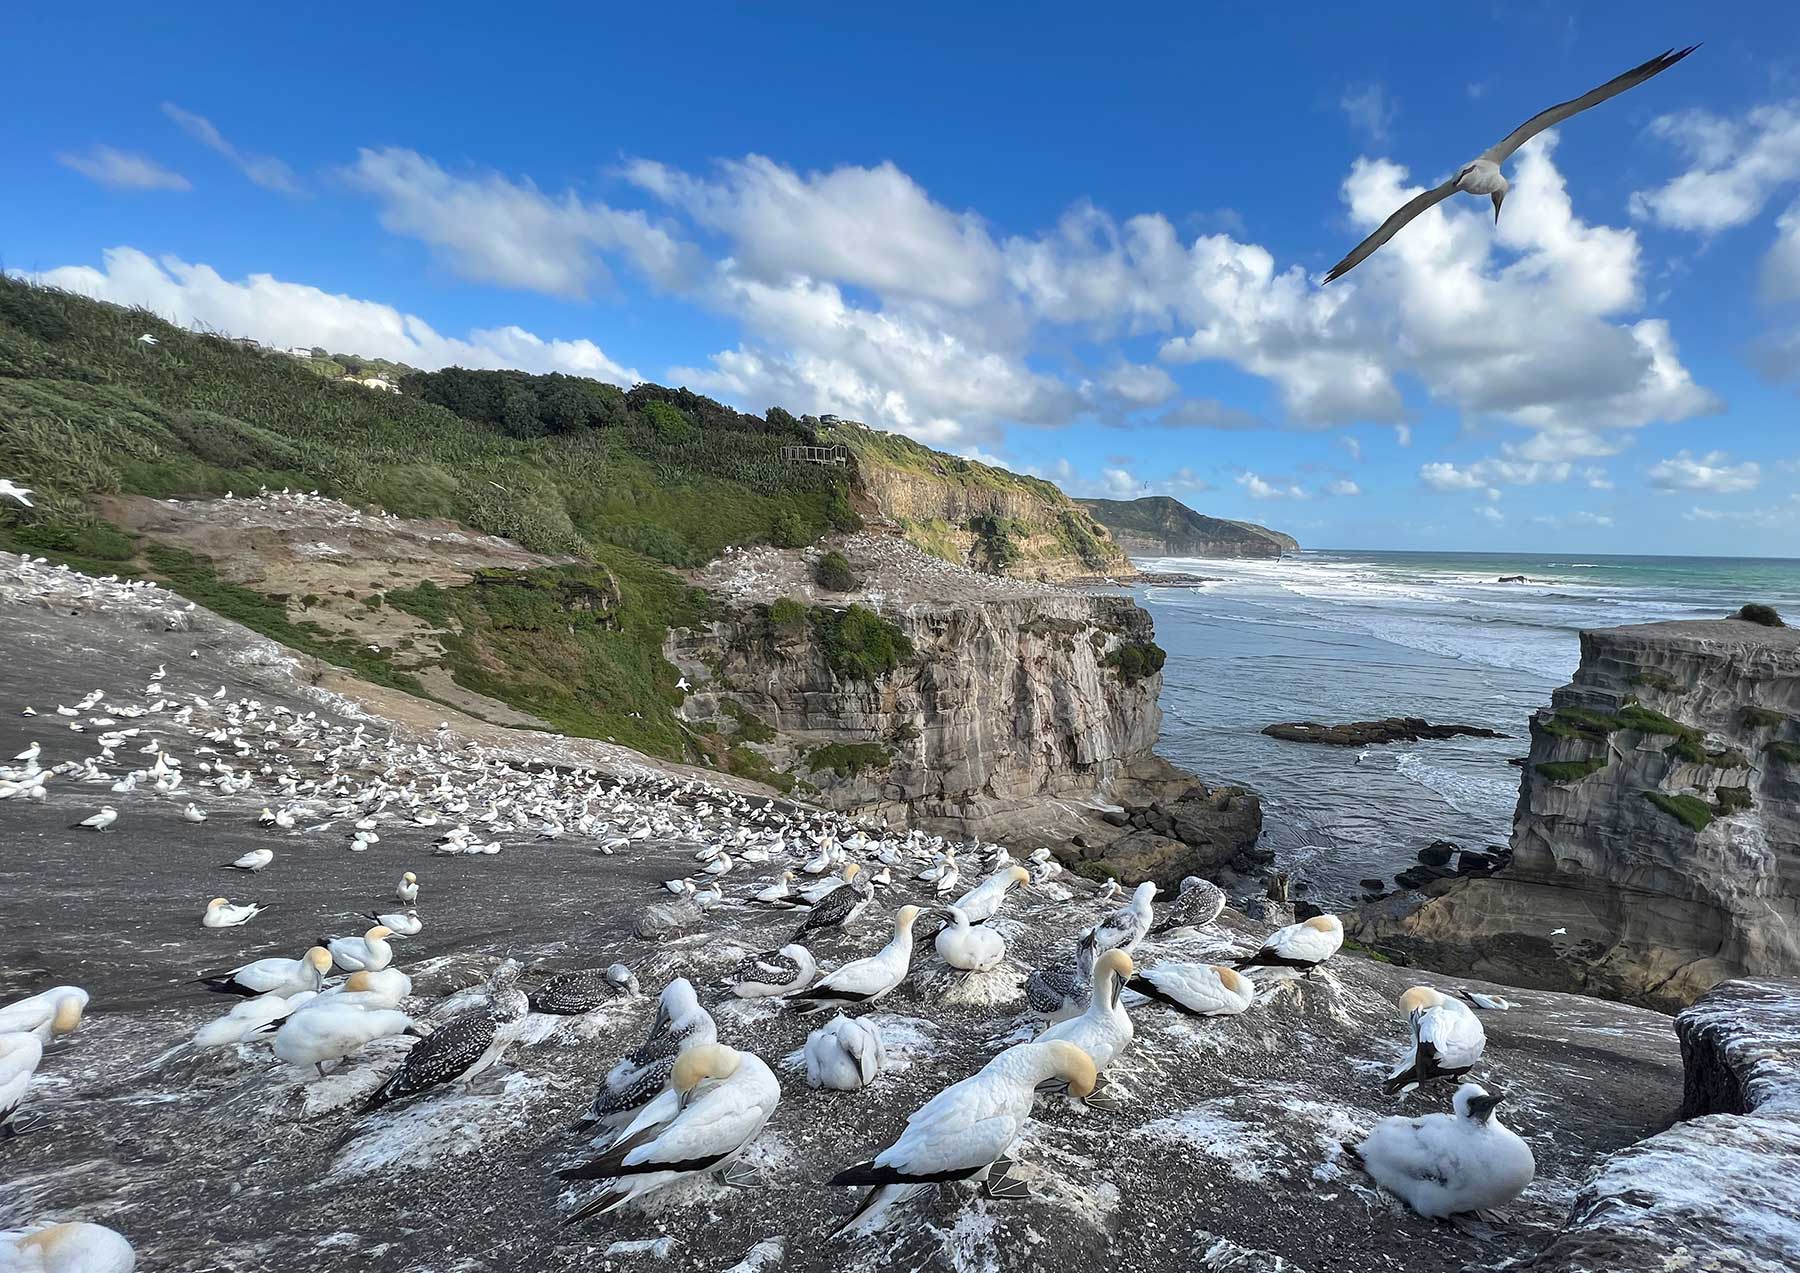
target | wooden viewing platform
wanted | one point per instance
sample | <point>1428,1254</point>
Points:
<point>816,454</point>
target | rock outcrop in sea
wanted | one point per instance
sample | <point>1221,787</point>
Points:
<point>1656,844</point>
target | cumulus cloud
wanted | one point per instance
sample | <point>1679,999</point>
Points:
<point>1257,487</point>
<point>285,313</point>
<point>1781,267</point>
<point>1487,512</point>
<point>1494,471</point>
<point>123,170</point>
<point>265,170</point>
<point>1583,518</point>
<point>1737,166</point>
<point>1343,486</point>
<point>1713,472</point>
<point>1370,111</point>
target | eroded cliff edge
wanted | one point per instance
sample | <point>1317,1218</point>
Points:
<point>1656,843</point>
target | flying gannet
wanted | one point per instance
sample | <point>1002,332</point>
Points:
<point>1447,1040</point>
<point>1442,1165</point>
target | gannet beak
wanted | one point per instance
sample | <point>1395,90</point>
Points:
<point>1499,197</point>
<point>1481,1108</point>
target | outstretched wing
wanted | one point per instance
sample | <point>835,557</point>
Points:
<point>1593,97</point>
<point>1389,228</point>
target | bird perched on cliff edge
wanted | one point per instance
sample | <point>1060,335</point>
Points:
<point>1447,1164</point>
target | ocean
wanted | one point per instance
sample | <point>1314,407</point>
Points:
<point>1339,635</point>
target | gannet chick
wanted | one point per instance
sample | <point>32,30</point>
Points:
<point>983,901</point>
<point>1445,1164</point>
<point>1304,946</point>
<point>77,1247</point>
<point>1200,990</point>
<point>1447,1040</point>
<point>46,1016</point>
<point>1125,927</point>
<point>250,1016</point>
<point>1104,1031</point>
<point>844,1054</point>
<point>569,994</point>
<point>464,1046</point>
<point>968,948</point>
<point>330,1030</point>
<point>99,821</point>
<point>641,1074</point>
<point>864,980</point>
<point>399,923</point>
<point>19,1057</point>
<point>726,1097</point>
<point>273,976</point>
<point>1198,904</point>
<point>964,1131</point>
<point>370,951</point>
<point>254,860</point>
<point>838,907</point>
<point>220,913</point>
<point>773,972</point>
<point>1061,991</point>
<point>408,889</point>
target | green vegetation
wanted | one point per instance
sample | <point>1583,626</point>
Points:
<point>1693,812</point>
<point>751,728</point>
<point>934,536</point>
<point>1180,531</point>
<point>1765,615</point>
<point>1689,744</point>
<point>1787,753</point>
<point>847,760</point>
<point>834,573</point>
<point>1136,660</point>
<point>859,644</point>
<point>787,614</point>
<point>744,763</point>
<point>1571,770</point>
<point>1657,681</point>
<point>1763,718</point>
<point>1729,800</point>
<point>996,542</point>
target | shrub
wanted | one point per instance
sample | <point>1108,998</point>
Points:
<point>847,760</point>
<point>751,728</point>
<point>833,573</point>
<point>787,613</point>
<point>859,644</point>
<point>1762,614</point>
<point>1571,770</point>
<point>1136,660</point>
<point>787,530</point>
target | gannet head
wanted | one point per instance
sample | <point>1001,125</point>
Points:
<point>1017,875</point>
<point>904,917</point>
<point>50,1238</point>
<point>1074,1067</point>
<point>1117,965</point>
<point>378,933</point>
<point>701,1062</point>
<point>850,870</point>
<point>1234,981</point>
<point>1420,998</point>
<point>217,901</point>
<point>67,1015</point>
<point>1475,1102</point>
<point>1144,893</point>
<point>1326,923</point>
<point>319,958</point>
<point>410,878</point>
<point>360,980</point>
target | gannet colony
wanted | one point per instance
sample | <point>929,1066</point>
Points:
<point>287,985</point>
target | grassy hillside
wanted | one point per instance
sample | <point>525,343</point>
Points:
<point>1159,524</point>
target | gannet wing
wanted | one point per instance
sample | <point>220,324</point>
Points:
<point>1503,150</point>
<point>1392,226</point>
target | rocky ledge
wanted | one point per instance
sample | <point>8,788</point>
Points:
<point>1372,733</point>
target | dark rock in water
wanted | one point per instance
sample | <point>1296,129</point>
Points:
<point>1199,834</point>
<point>1116,818</point>
<point>1370,733</point>
<point>1373,885</point>
<point>1306,910</point>
<point>1438,852</point>
<point>1469,862</point>
<point>1421,875</point>
<point>1510,579</point>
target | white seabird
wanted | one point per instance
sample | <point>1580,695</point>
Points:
<point>1125,927</point>
<point>1104,1031</point>
<point>964,1132</point>
<point>837,907</point>
<point>10,489</point>
<point>1200,990</point>
<point>254,860</point>
<point>19,1057</point>
<point>844,1054</point>
<point>1061,991</point>
<point>1447,1040</point>
<point>636,1078</point>
<point>773,972</point>
<point>967,947</point>
<point>220,913</point>
<point>370,951</point>
<point>864,980</point>
<point>330,1030</point>
<point>98,821</point>
<point>1303,946</point>
<point>250,1016</point>
<point>404,923</point>
<point>408,888</point>
<point>76,1247</point>
<point>1446,1164</point>
<point>1482,176</point>
<point>47,1015</point>
<point>983,901</point>
<point>273,976</point>
<point>1198,904</point>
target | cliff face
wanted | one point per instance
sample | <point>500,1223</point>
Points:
<point>1658,823</point>
<point>1162,527</point>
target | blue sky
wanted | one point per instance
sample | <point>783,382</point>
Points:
<point>1088,250</point>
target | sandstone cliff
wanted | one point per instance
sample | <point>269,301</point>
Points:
<point>1658,825</point>
<point>1158,526</point>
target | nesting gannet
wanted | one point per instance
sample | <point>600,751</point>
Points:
<point>370,951</point>
<point>1302,946</point>
<point>780,893</point>
<point>77,1247</point>
<point>19,1057</point>
<point>1061,991</point>
<point>254,860</point>
<point>838,907</point>
<point>1104,1030</point>
<point>1445,1164</point>
<point>1125,927</point>
<point>725,1099</point>
<point>967,947</point>
<point>220,913</point>
<point>982,902</point>
<point>1197,905</point>
<point>569,994</point>
<point>964,1131</point>
<point>99,821</point>
<point>1447,1040</point>
<point>464,1046</point>
<point>680,1022</point>
<point>385,987</point>
<point>250,1016</point>
<point>273,976</point>
<point>408,888</point>
<point>1200,990</point>
<point>773,972</point>
<point>844,1054</point>
<point>45,1016</point>
<point>864,980</point>
<point>330,1030</point>
<point>399,923</point>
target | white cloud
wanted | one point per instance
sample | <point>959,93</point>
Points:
<point>265,170</point>
<point>1403,435</point>
<point>1370,111</point>
<point>283,313</point>
<point>1583,518</point>
<point>123,170</point>
<point>1737,167</point>
<point>1257,487</point>
<point>1596,478</point>
<point>1781,267</point>
<point>1351,445</point>
<point>1444,476</point>
<point>1710,472</point>
<point>1343,486</point>
<point>1489,513</point>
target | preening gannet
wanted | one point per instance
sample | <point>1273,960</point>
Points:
<point>77,1247</point>
<point>864,980</point>
<point>370,951</point>
<point>569,994</point>
<point>273,976</point>
<point>1200,990</point>
<point>464,1046</point>
<point>329,1030</point>
<point>1125,927</point>
<point>1061,991</point>
<point>773,972</point>
<point>220,913</point>
<point>966,947</point>
<point>1104,1030</point>
<point>1447,1040</point>
<point>726,1097</point>
<point>99,821</point>
<point>1197,905</point>
<point>404,923</point>
<point>248,1017</point>
<point>680,1022</point>
<point>19,1057</point>
<point>45,1016</point>
<point>254,860</point>
<point>1446,1164</point>
<point>964,1131</point>
<point>408,889</point>
<point>1302,946</point>
<point>844,1054</point>
<point>983,901</point>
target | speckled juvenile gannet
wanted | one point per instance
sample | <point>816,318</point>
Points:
<point>1446,1164</point>
<point>220,913</point>
<point>838,907</point>
<point>273,976</point>
<point>1125,927</point>
<point>76,1247</point>
<point>254,860</point>
<point>964,1131</point>
<point>864,980</point>
<point>1061,991</point>
<point>569,994</point>
<point>1200,990</point>
<point>370,951</point>
<point>726,1098</point>
<point>19,1057</point>
<point>635,1079</point>
<point>968,948</point>
<point>844,1054</point>
<point>248,1017</point>
<point>1302,946</point>
<point>773,972</point>
<point>54,1012</point>
<point>1104,1030</point>
<point>983,901</point>
<point>1447,1040</point>
<point>1198,904</point>
<point>462,1047</point>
